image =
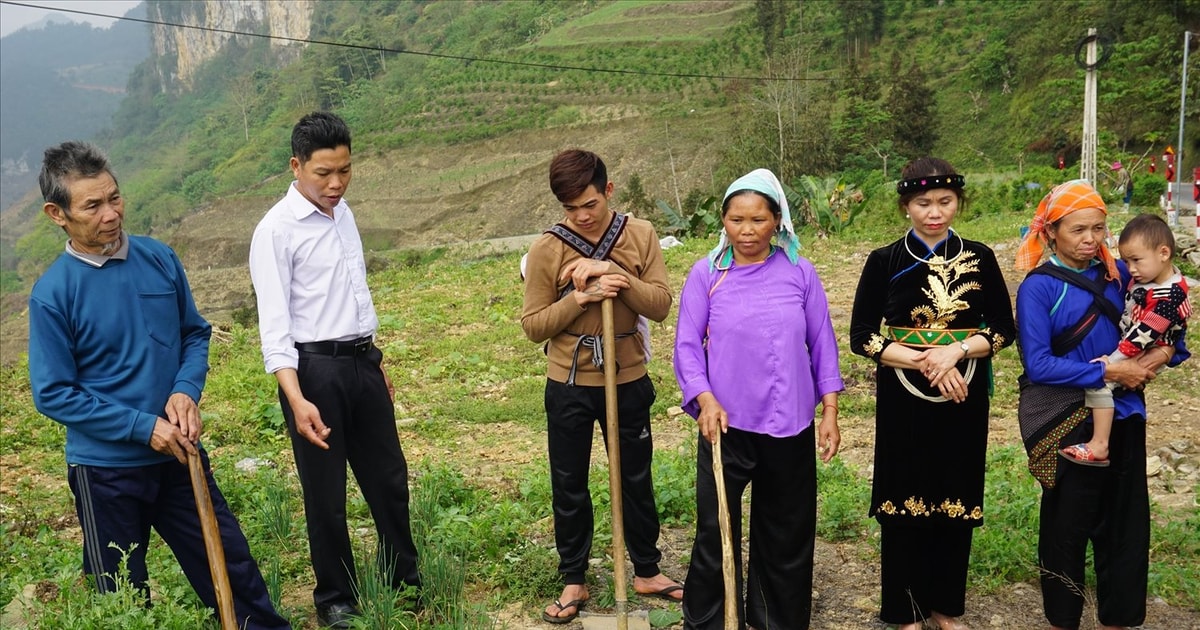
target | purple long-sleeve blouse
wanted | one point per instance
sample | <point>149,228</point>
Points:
<point>759,337</point>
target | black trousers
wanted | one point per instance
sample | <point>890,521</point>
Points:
<point>352,396</point>
<point>783,524</point>
<point>120,505</point>
<point>923,570</point>
<point>1111,508</point>
<point>571,414</point>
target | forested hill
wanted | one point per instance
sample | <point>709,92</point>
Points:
<point>457,105</point>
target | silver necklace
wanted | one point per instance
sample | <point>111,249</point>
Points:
<point>961,248</point>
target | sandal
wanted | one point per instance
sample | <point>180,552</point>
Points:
<point>1082,455</point>
<point>667,593</point>
<point>577,604</point>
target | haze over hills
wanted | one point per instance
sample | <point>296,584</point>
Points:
<point>62,80</point>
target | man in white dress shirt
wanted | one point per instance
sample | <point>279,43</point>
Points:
<point>317,323</point>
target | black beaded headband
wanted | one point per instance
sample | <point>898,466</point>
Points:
<point>921,184</point>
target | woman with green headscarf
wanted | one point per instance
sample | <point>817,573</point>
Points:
<point>754,352</point>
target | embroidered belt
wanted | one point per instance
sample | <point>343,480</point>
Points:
<point>596,343</point>
<point>929,337</point>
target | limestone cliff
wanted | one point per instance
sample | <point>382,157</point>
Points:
<point>182,51</point>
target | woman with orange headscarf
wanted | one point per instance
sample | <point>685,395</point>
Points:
<point>1068,311</point>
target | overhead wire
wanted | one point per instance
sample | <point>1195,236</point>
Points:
<point>380,49</point>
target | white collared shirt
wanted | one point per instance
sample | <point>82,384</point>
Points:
<point>310,279</point>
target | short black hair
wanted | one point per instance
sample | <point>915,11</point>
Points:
<point>573,170</point>
<point>316,131</point>
<point>1151,229</point>
<point>68,161</point>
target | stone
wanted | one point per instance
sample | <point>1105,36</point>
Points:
<point>675,412</point>
<point>250,465</point>
<point>14,614</point>
<point>1181,446</point>
<point>634,619</point>
<point>1154,465</point>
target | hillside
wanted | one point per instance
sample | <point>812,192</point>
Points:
<point>457,105</point>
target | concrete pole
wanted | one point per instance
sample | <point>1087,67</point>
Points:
<point>1187,37</point>
<point>1087,165</point>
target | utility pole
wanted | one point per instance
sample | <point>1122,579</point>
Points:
<point>1187,37</point>
<point>1087,165</point>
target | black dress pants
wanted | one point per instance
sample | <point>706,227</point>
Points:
<point>783,524</point>
<point>1111,508</point>
<point>571,414</point>
<point>352,396</point>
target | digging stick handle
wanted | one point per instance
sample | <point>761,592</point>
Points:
<point>212,543</point>
<point>731,612</point>
<point>609,345</point>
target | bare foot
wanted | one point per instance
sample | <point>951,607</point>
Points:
<point>570,594</point>
<point>947,623</point>
<point>659,586</point>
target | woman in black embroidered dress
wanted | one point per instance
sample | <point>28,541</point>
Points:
<point>947,310</point>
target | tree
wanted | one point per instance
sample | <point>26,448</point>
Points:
<point>862,23</point>
<point>913,111</point>
<point>771,17</point>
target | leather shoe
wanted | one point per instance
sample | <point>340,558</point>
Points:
<point>336,615</point>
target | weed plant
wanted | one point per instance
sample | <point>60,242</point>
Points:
<point>463,371</point>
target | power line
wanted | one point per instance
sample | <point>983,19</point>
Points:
<point>527,64</point>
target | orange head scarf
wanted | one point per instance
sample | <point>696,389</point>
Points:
<point>1064,199</point>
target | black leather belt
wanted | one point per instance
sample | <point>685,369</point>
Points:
<point>337,348</point>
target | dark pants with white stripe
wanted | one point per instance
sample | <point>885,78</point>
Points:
<point>1111,508</point>
<point>352,396</point>
<point>783,526</point>
<point>571,415</point>
<point>118,506</point>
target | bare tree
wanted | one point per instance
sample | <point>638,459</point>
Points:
<point>244,92</point>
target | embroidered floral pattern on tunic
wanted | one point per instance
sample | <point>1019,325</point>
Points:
<point>946,288</point>
<point>998,340</point>
<point>916,507</point>
<point>874,344</point>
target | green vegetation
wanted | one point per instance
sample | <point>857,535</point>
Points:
<point>469,391</point>
<point>854,89</point>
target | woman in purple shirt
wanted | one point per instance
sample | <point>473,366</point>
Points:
<point>754,352</point>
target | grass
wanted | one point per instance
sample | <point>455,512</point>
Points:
<point>469,388</point>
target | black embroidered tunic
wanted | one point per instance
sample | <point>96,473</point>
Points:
<point>930,452</point>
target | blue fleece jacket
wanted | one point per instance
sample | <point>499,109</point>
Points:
<point>109,345</point>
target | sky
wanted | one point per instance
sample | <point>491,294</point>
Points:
<point>13,17</point>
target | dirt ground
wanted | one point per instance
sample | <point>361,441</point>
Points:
<point>846,582</point>
<point>846,579</point>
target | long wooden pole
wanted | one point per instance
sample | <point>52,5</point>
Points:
<point>212,543</point>
<point>727,569</point>
<point>609,345</point>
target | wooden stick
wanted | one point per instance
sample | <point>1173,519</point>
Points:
<point>212,543</point>
<point>731,599</point>
<point>609,345</point>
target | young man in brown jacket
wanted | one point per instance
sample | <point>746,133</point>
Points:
<point>594,254</point>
